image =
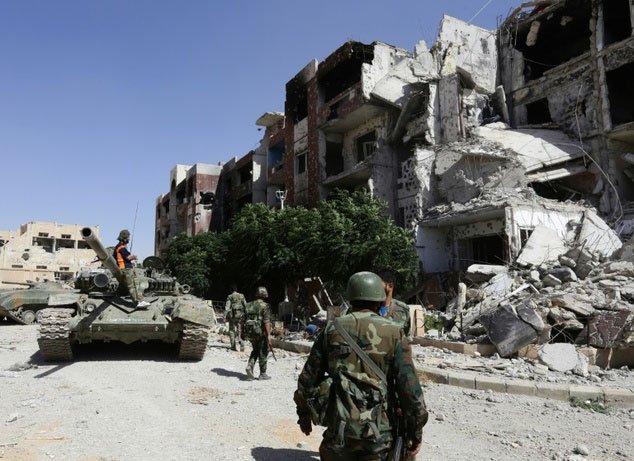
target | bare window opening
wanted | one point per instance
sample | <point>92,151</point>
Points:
<point>366,146</point>
<point>525,234</point>
<point>300,162</point>
<point>489,249</point>
<point>621,94</point>
<point>296,100</point>
<point>246,174</point>
<point>2,242</point>
<point>44,242</point>
<point>41,267</point>
<point>334,158</point>
<point>180,193</point>
<point>616,21</point>
<point>16,266</point>
<point>538,112</point>
<point>555,38</point>
<point>64,268</point>
<point>166,206</point>
<point>42,234</point>
<point>63,276</point>
<point>275,157</point>
<point>66,236</point>
<point>82,245</point>
<point>65,243</point>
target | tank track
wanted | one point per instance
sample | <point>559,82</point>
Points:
<point>193,342</point>
<point>54,335</point>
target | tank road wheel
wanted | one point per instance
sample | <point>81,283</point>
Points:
<point>28,317</point>
<point>54,334</point>
<point>193,342</point>
<point>38,316</point>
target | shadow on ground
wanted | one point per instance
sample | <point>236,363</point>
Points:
<point>282,454</point>
<point>230,373</point>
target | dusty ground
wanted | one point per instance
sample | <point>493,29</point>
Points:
<point>123,403</point>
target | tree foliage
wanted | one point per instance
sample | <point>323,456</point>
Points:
<point>349,232</point>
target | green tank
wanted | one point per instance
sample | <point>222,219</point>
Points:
<point>25,305</point>
<point>104,310</point>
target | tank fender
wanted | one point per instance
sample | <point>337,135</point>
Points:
<point>200,315</point>
<point>62,299</point>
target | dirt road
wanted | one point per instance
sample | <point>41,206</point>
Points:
<point>140,403</point>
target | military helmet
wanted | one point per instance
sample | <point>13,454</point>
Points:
<point>124,235</point>
<point>365,286</point>
<point>261,293</point>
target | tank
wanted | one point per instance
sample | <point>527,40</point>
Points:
<point>105,311</point>
<point>25,305</point>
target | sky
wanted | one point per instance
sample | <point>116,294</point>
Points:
<point>99,99</point>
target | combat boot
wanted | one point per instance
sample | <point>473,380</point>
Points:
<point>249,370</point>
<point>264,376</point>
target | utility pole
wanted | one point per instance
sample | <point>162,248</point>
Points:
<point>281,196</point>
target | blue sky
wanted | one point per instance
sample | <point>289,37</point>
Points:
<point>100,99</point>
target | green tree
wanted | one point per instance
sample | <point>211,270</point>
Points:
<point>349,232</point>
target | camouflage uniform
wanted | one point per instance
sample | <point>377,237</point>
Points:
<point>258,312</point>
<point>384,342</point>
<point>234,310</point>
<point>398,312</point>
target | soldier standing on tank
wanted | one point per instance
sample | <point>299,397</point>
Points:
<point>393,309</point>
<point>124,260</point>
<point>234,311</point>
<point>256,327</point>
<point>360,412</point>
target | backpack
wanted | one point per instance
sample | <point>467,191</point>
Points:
<point>252,320</point>
<point>358,401</point>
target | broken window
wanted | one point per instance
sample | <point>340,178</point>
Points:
<point>65,243</point>
<point>334,158</point>
<point>553,38</point>
<point>16,266</point>
<point>63,276</point>
<point>66,236</point>
<point>296,100</point>
<point>64,268</point>
<point>616,21</point>
<point>621,94</point>
<point>246,174</point>
<point>82,245</point>
<point>300,162</point>
<point>538,112</point>
<point>366,146</point>
<point>42,234</point>
<point>488,249</point>
<point>2,242</point>
<point>44,242</point>
<point>166,206</point>
<point>276,157</point>
<point>41,267</point>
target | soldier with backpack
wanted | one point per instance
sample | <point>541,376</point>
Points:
<point>374,407</point>
<point>234,310</point>
<point>256,327</point>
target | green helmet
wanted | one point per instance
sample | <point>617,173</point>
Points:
<point>124,235</point>
<point>365,286</point>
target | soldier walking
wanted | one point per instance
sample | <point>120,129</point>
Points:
<point>375,402</point>
<point>234,311</point>
<point>257,329</point>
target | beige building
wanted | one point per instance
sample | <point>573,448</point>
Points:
<point>43,251</point>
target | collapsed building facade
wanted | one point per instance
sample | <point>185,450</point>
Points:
<point>505,154</point>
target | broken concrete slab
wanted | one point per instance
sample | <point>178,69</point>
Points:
<point>597,237</point>
<point>551,281</point>
<point>507,331</point>
<point>573,302</point>
<point>560,356</point>
<point>527,311</point>
<point>605,329</point>
<point>479,273</point>
<point>498,286</point>
<point>565,274</point>
<point>542,247</point>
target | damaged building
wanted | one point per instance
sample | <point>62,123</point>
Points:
<point>511,160</point>
<point>43,251</point>
<point>189,205</point>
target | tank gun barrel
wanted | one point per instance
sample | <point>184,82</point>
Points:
<point>106,258</point>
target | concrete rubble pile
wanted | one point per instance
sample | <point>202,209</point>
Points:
<point>577,290</point>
